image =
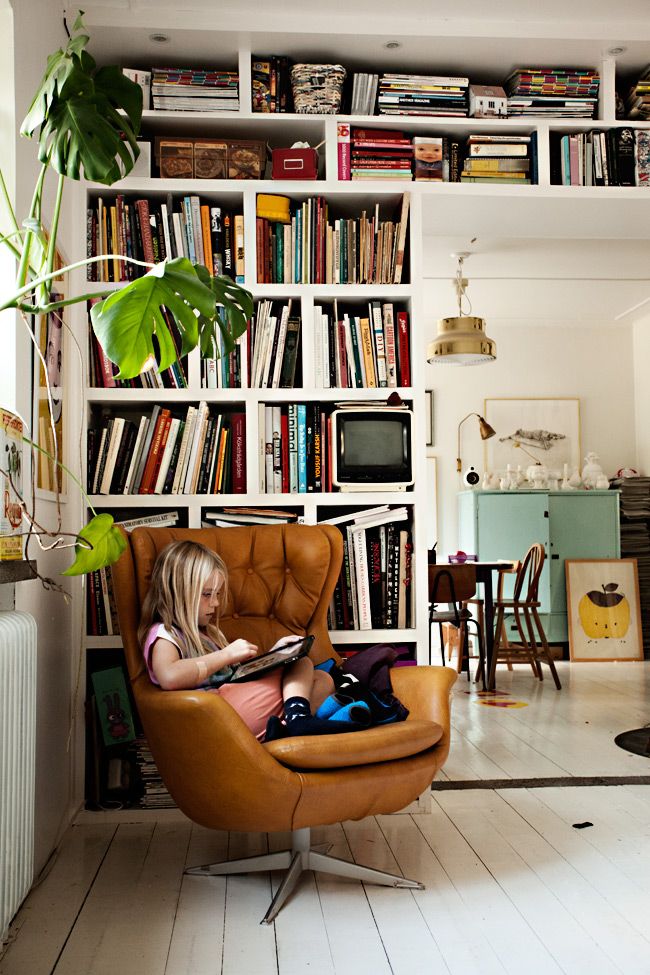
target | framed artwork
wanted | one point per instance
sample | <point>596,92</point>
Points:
<point>429,416</point>
<point>603,610</point>
<point>531,431</point>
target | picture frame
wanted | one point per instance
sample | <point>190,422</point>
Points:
<point>428,395</point>
<point>432,504</point>
<point>548,429</point>
<point>603,610</point>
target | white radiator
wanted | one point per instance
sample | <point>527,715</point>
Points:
<point>17,753</point>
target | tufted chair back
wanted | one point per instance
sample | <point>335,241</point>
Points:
<point>280,581</point>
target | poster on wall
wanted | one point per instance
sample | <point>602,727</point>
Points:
<point>533,431</point>
<point>603,609</point>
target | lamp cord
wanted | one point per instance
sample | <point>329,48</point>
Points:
<point>461,286</point>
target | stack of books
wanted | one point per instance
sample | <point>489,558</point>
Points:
<point>635,539</point>
<point>195,90</point>
<point>380,154</point>
<point>361,351</point>
<point>196,452</point>
<point>417,94</point>
<point>374,590</point>
<point>150,230</point>
<point>233,517</point>
<point>497,159</point>
<point>315,249</point>
<point>154,793</point>
<point>637,103</point>
<point>295,449</point>
<point>364,93</point>
<point>553,92</point>
<point>101,613</point>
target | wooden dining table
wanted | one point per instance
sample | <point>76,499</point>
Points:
<point>484,577</point>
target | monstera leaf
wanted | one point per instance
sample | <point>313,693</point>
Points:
<point>107,544</point>
<point>126,322</point>
<point>233,308</point>
<point>88,119</point>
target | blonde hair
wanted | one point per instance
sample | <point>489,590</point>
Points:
<point>179,574</point>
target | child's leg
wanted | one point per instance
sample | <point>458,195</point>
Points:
<point>301,680</point>
<point>304,689</point>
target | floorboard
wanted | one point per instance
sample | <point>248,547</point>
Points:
<point>510,883</point>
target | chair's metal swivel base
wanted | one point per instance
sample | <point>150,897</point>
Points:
<point>300,857</point>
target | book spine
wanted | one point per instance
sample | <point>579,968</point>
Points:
<point>379,347</point>
<point>302,448</point>
<point>168,451</point>
<point>403,346</point>
<point>343,141</point>
<point>239,248</point>
<point>368,360</point>
<point>284,447</point>
<point>238,426</point>
<point>146,483</point>
<point>276,434</point>
<point>142,208</point>
<point>389,340</point>
<point>182,454</point>
<point>268,449</point>
<point>111,455</point>
<point>293,447</point>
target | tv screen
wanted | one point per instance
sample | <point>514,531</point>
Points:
<point>373,449</point>
<point>369,444</point>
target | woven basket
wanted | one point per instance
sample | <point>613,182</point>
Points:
<point>317,88</point>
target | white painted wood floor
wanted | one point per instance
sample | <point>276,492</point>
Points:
<point>511,885</point>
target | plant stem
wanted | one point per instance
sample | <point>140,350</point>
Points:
<point>12,302</point>
<point>63,468</point>
<point>45,309</point>
<point>5,196</point>
<point>51,244</point>
<point>23,268</point>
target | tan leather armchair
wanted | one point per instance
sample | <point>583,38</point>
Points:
<point>281,579</point>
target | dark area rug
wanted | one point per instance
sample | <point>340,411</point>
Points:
<point>636,741</point>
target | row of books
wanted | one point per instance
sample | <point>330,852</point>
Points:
<point>102,372</point>
<point>295,448</point>
<point>413,94</point>
<point>394,154</point>
<point>616,157</point>
<point>168,452</point>
<point>553,92</point>
<point>240,517</point>
<point>317,249</point>
<point>101,613</point>
<point>374,590</point>
<point>271,80</point>
<point>150,231</point>
<point>195,90</point>
<point>361,351</point>
<point>637,102</point>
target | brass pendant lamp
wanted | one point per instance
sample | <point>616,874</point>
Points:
<point>461,340</point>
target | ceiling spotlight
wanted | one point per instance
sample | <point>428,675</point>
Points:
<point>617,50</point>
<point>159,38</point>
<point>392,45</point>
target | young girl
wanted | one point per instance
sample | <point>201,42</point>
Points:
<point>184,648</point>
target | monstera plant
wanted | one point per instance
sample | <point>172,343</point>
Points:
<point>86,121</point>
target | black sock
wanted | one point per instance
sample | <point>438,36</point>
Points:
<point>308,725</point>
<point>296,707</point>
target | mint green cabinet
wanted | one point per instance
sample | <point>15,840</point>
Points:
<point>570,524</point>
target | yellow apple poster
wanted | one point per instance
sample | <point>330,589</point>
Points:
<point>603,609</point>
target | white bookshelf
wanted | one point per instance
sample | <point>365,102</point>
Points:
<point>451,209</point>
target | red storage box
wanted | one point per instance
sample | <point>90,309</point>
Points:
<point>294,164</point>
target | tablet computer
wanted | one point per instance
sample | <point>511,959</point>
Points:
<point>259,666</point>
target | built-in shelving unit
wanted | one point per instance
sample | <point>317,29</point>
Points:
<point>441,208</point>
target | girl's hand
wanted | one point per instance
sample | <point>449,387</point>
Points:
<point>240,650</point>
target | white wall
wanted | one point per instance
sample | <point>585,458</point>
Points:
<point>38,31</point>
<point>641,358</point>
<point>594,364</point>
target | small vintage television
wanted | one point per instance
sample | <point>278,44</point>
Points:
<point>372,449</point>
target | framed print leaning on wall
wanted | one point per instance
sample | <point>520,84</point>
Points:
<point>603,610</point>
<point>530,431</point>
